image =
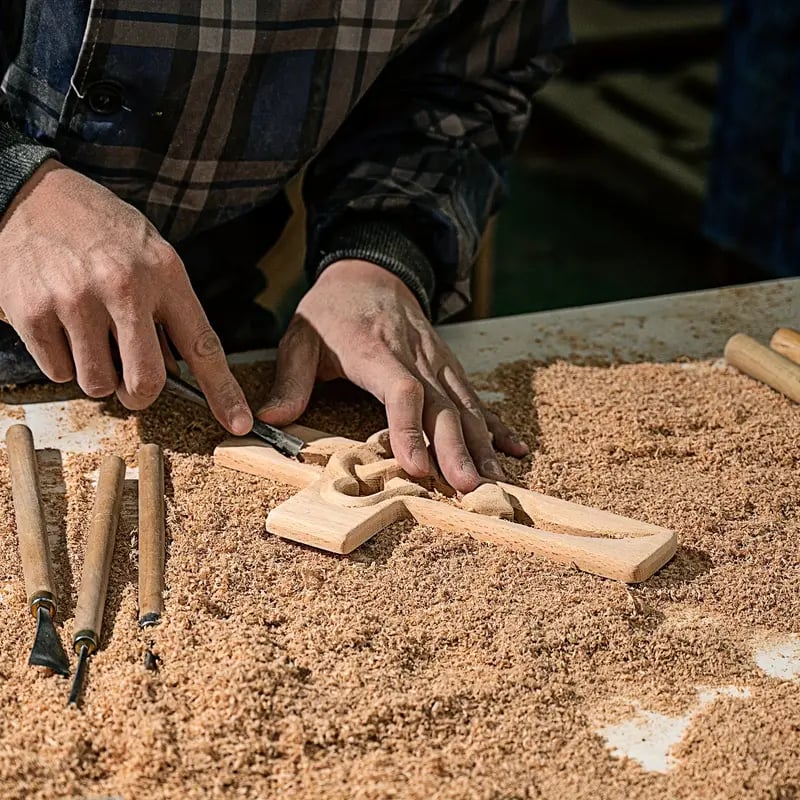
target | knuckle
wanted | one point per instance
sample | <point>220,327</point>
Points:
<point>227,393</point>
<point>122,284</point>
<point>465,462</point>
<point>409,388</point>
<point>38,321</point>
<point>290,396</point>
<point>409,440</point>
<point>206,345</point>
<point>164,255</point>
<point>71,304</point>
<point>294,406</point>
<point>408,431</point>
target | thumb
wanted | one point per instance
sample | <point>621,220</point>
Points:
<point>295,374</point>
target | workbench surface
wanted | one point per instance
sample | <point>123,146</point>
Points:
<point>694,325</point>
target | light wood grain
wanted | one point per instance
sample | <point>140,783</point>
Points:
<point>490,500</point>
<point>763,364</point>
<point>34,548</point>
<point>151,533</point>
<point>252,456</point>
<point>310,519</point>
<point>786,341</point>
<point>99,551</point>
<point>556,529</point>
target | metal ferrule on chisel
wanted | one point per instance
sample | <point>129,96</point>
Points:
<point>87,639</point>
<point>44,600</point>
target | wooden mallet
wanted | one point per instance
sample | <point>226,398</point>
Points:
<point>765,364</point>
<point>787,342</point>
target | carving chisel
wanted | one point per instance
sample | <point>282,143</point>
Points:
<point>151,541</point>
<point>97,567</point>
<point>34,549</point>
<point>283,442</point>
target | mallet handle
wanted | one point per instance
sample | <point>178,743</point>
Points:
<point>787,342</point>
<point>763,364</point>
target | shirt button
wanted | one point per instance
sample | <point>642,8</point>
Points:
<point>104,97</point>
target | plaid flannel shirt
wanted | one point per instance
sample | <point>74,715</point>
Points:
<point>402,112</point>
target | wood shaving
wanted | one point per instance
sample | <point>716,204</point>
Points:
<point>426,665</point>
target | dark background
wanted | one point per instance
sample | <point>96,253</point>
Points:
<point>609,192</point>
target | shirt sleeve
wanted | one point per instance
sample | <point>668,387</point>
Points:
<point>411,179</point>
<point>20,157</point>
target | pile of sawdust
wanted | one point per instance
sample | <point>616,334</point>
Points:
<point>428,665</point>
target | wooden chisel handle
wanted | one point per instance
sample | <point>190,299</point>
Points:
<point>99,552</point>
<point>787,342</point>
<point>151,534</point>
<point>34,548</point>
<point>763,364</point>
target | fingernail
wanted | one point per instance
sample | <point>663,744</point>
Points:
<point>420,460</point>
<point>470,470</point>
<point>271,402</point>
<point>493,470</point>
<point>241,422</point>
<point>518,443</point>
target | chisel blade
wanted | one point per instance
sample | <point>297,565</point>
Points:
<point>47,648</point>
<point>80,676</point>
<point>283,442</point>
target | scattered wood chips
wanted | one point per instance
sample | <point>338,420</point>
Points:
<point>428,665</point>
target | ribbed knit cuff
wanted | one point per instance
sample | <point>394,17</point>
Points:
<point>385,245</point>
<point>20,157</point>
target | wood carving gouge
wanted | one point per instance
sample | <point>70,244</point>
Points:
<point>34,549</point>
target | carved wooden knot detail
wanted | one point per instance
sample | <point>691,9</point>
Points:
<point>341,484</point>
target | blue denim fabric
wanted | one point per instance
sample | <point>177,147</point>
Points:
<point>753,206</point>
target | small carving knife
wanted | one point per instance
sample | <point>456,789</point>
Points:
<point>97,567</point>
<point>283,442</point>
<point>151,542</point>
<point>34,549</point>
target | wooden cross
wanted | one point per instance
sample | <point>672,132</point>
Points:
<point>350,491</point>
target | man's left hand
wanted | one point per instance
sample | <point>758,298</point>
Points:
<point>362,323</point>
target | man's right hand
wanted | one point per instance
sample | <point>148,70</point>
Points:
<point>77,266</point>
